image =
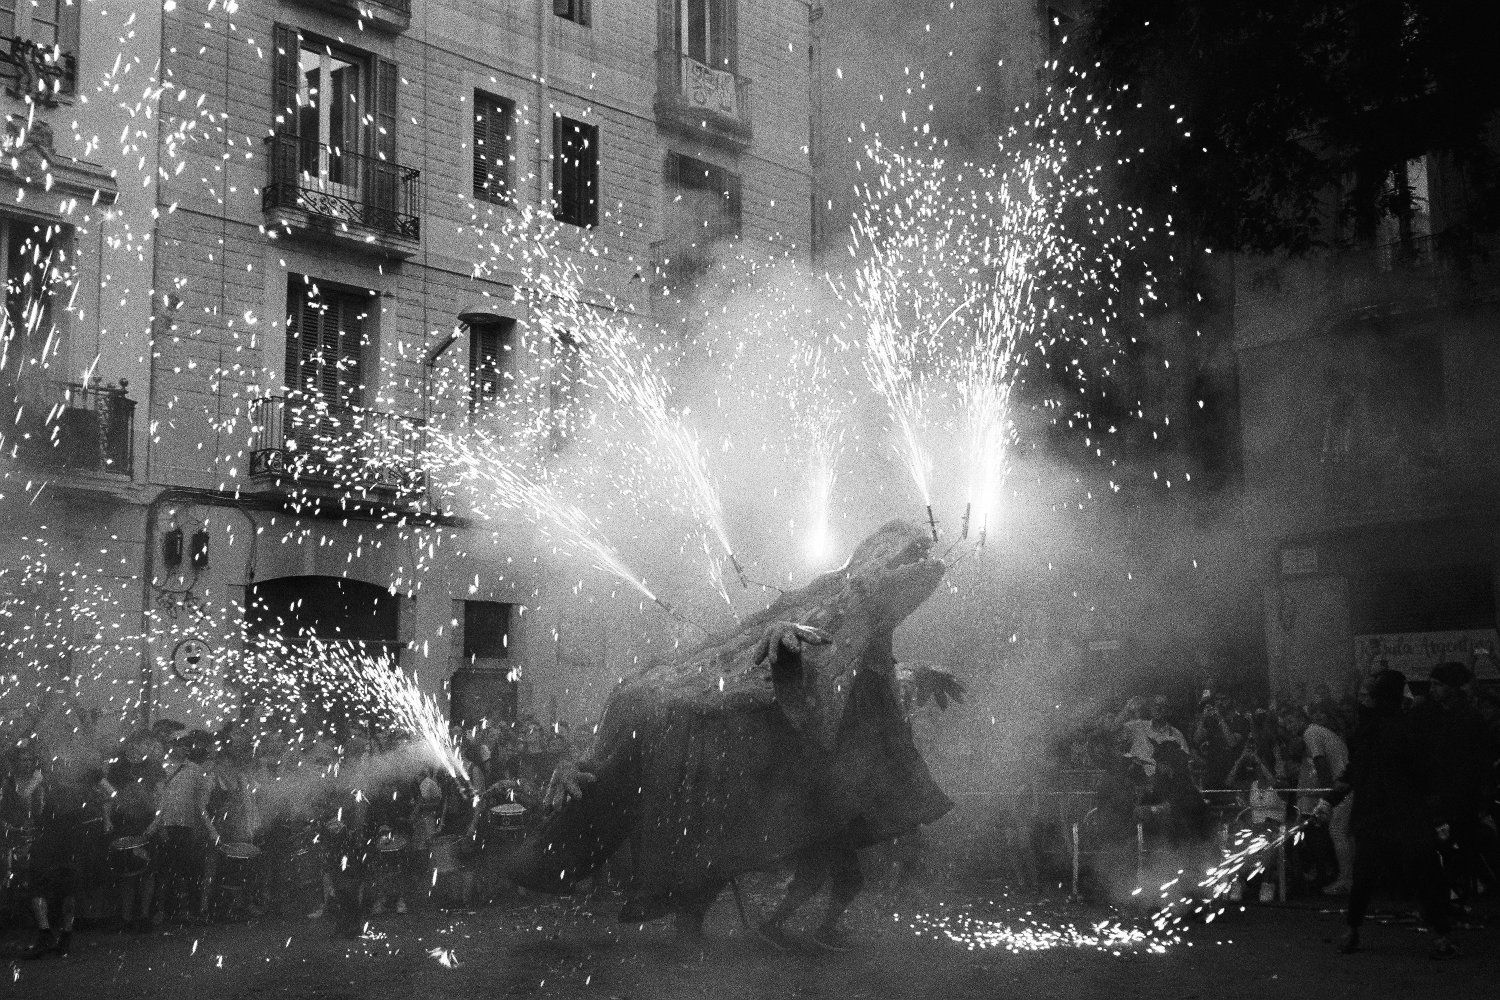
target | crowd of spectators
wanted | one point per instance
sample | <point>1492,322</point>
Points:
<point>173,825</point>
<point>1200,775</point>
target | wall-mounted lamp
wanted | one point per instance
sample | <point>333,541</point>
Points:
<point>200,549</point>
<point>171,548</point>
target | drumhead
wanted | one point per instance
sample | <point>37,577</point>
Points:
<point>127,843</point>
<point>389,845</point>
<point>508,809</point>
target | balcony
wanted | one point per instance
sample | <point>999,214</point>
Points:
<point>390,16</point>
<point>701,101</point>
<point>359,201</point>
<point>300,441</point>
<point>74,427</point>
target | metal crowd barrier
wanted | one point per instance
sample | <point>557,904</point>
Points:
<point>1069,801</point>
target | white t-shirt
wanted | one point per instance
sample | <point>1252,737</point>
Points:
<point>1319,741</point>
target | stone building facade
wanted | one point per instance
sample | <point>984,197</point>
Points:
<point>318,216</point>
<point>1368,382</point>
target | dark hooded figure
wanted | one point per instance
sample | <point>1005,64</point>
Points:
<point>1389,774</point>
<point>783,743</point>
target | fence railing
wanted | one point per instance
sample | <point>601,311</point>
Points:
<point>342,186</point>
<point>302,438</point>
<point>88,428</point>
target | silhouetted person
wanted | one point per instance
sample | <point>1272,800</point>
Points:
<point>1389,774</point>
<point>1460,765</point>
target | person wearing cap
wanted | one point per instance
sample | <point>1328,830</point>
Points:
<point>1389,774</point>
<point>1460,765</point>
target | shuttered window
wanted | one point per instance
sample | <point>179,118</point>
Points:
<point>494,151</point>
<point>326,341</point>
<point>328,101</point>
<point>575,172</point>
<point>490,344</point>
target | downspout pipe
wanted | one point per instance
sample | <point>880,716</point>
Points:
<point>429,364</point>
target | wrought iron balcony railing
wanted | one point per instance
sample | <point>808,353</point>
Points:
<point>343,187</point>
<point>702,96</point>
<point>69,425</point>
<point>41,73</point>
<point>303,438</point>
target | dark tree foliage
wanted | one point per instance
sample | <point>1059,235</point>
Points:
<point>1286,104</point>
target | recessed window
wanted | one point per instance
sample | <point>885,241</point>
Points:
<point>486,633</point>
<point>34,268</point>
<point>326,341</point>
<point>490,353</point>
<point>494,148</point>
<point>575,172</point>
<point>704,199</point>
<point>576,11</point>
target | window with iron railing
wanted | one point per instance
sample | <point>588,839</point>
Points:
<point>39,48</point>
<point>332,153</point>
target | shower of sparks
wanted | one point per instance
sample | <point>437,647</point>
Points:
<point>963,280</point>
<point>977,932</point>
<point>1246,857</point>
<point>496,483</point>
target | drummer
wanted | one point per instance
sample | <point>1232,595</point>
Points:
<point>393,808</point>
<point>137,784</point>
<point>233,811</point>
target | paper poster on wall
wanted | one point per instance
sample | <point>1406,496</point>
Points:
<point>1416,653</point>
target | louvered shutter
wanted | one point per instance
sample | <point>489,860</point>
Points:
<point>385,173</point>
<point>718,38</point>
<point>492,117</point>
<point>67,38</point>
<point>483,180</point>
<point>348,372</point>
<point>287,51</point>
<point>558,172</point>
<point>731,53</point>
<point>588,174</point>
<point>733,204</point>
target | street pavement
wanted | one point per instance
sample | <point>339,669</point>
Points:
<point>556,948</point>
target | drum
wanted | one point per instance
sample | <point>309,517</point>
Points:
<point>509,815</point>
<point>129,856</point>
<point>238,851</point>
<point>236,862</point>
<point>390,843</point>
